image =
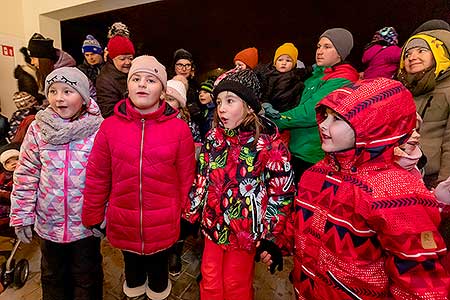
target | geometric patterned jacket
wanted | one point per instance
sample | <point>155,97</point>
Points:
<point>49,183</point>
<point>365,228</point>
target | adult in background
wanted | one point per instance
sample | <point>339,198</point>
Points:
<point>424,70</point>
<point>93,59</point>
<point>111,83</point>
<point>183,64</point>
<point>432,25</point>
<point>45,58</point>
<point>329,73</point>
<point>382,55</point>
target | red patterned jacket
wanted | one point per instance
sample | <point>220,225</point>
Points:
<point>365,228</point>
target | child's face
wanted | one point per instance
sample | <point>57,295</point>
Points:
<point>64,100</point>
<point>123,62</point>
<point>284,63</point>
<point>172,101</point>
<point>240,65</point>
<point>231,109</point>
<point>204,97</point>
<point>326,54</point>
<point>145,90</point>
<point>337,135</point>
<point>11,163</point>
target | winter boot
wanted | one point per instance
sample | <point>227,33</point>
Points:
<point>161,295</point>
<point>136,293</point>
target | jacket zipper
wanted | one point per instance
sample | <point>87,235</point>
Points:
<point>345,289</point>
<point>140,186</point>
<point>66,172</point>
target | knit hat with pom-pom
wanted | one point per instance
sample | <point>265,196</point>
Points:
<point>90,44</point>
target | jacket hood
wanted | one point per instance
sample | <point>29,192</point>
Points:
<point>125,109</point>
<point>341,70</point>
<point>64,59</point>
<point>381,112</point>
<point>439,43</point>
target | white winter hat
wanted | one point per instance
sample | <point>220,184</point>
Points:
<point>8,154</point>
<point>176,89</point>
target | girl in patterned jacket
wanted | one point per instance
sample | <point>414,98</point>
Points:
<point>365,228</point>
<point>48,188</point>
<point>243,190</point>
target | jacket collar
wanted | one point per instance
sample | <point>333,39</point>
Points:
<point>125,109</point>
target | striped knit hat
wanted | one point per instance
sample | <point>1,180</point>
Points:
<point>207,85</point>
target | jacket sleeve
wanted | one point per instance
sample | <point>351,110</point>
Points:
<point>185,165</point>
<point>280,190</point>
<point>407,231</point>
<point>199,189</point>
<point>26,181</point>
<point>107,95</point>
<point>98,180</point>
<point>304,115</point>
<point>444,171</point>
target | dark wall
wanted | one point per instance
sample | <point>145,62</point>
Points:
<point>215,30</point>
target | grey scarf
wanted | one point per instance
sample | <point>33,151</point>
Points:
<point>56,131</point>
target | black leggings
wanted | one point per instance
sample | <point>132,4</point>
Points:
<point>154,266</point>
<point>72,271</point>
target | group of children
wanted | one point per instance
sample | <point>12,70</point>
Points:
<point>360,227</point>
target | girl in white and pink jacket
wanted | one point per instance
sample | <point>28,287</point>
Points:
<point>48,188</point>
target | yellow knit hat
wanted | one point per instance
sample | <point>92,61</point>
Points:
<point>288,49</point>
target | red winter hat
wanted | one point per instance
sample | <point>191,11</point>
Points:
<point>119,45</point>
<point>248,56</point>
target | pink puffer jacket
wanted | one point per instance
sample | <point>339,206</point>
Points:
<point>143,166</point>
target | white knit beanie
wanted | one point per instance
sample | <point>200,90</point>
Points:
<point>176,89</point>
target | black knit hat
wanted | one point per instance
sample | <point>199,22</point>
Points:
<point>41,47</point>
<point>182,54</point>
<point>245,84</point>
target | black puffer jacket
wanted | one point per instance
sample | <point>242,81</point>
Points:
<point>282,90</point>
<point>91,71</point>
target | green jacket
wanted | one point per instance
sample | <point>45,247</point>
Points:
<point>301,121</point>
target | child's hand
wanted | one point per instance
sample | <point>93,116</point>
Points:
<point>270,255</point>
<point>442,191</point>
<point>270,112</point>
<point>24,233</point>
<point>99,230</point>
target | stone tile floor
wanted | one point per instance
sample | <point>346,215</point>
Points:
<point>185,287</point>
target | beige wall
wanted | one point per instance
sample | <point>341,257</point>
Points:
<point>21,18</point>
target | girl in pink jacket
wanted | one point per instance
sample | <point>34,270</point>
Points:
<point>142,165</point>
<point>48,188</point>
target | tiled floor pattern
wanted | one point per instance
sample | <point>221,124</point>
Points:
<point>185,287</point>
